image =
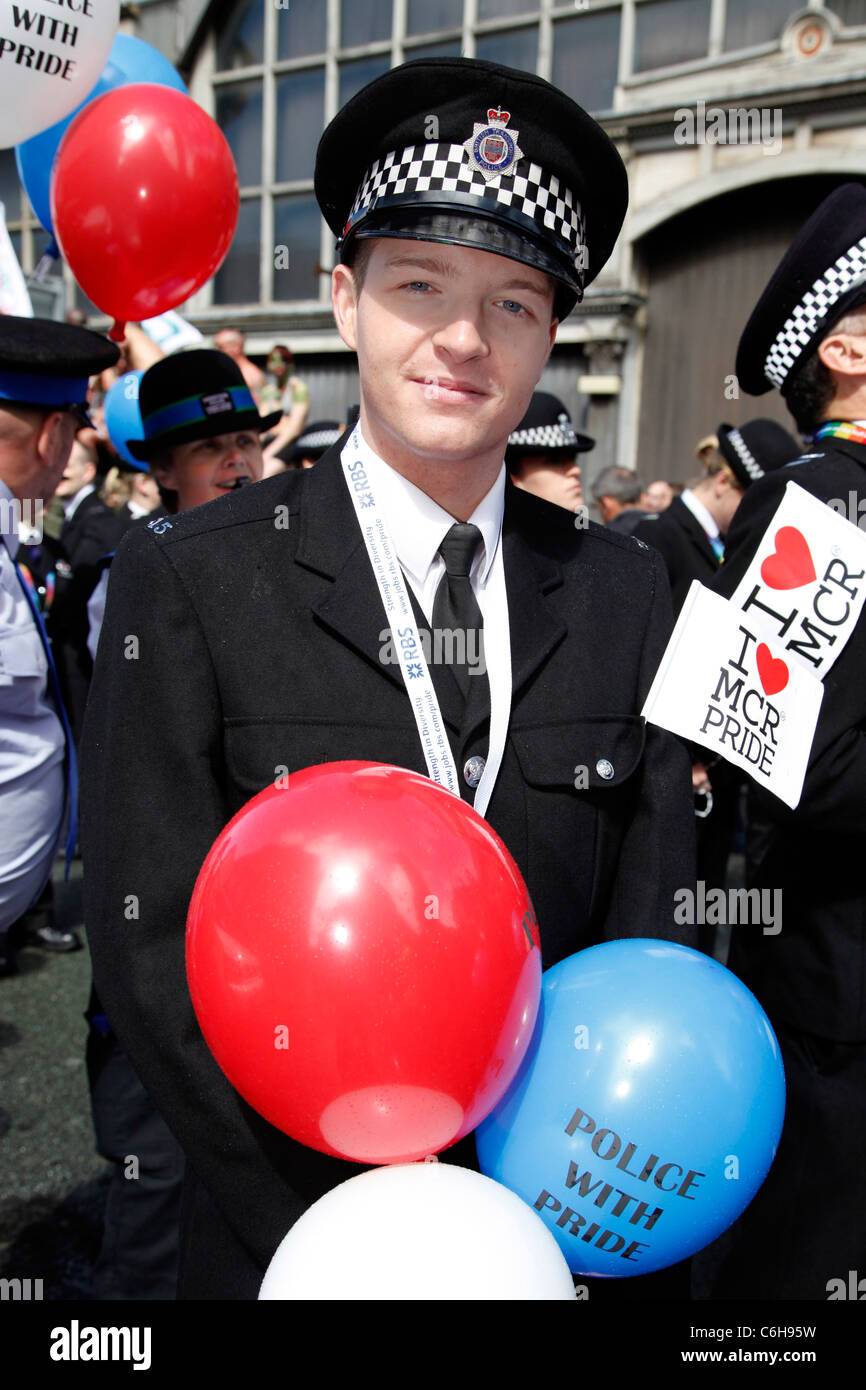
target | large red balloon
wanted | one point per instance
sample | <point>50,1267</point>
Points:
<point>364,961</point>
<point>144,199</point>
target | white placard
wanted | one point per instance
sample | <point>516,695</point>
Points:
<point>723,686</point>
<point>806,584</point>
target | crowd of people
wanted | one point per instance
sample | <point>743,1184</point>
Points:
<point>258,645</point>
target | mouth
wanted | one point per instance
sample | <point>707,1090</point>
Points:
<point>241,481</point>
<point>449,392</point>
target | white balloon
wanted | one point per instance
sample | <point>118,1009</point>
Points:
<point>52,53</point>
<point>418,1231</point>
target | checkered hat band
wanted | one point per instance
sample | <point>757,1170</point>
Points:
<point>438,168</point>
<point>318,439</point>
<point>544,437</point>
<point>747,459</point>
<point>798,331</point>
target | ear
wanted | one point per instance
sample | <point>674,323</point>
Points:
<point>344,301</point>
<point>53,437</point>
<point>163,471</point>
<point>844,353</point>
<point>554,325</point>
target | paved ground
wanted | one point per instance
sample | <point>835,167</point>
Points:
<point>52,1182</point>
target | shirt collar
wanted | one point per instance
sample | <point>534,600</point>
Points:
<point>417,525</point>
<point>700,513</point>
<point>70,504</point>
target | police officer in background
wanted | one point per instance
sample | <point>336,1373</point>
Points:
<point>542,452</point>
<point>262,644</point>
<point>807,1226</point>
<point>44,371</point>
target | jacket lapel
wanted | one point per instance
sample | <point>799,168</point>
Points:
<point>530,575</point>
<point>331,544</point>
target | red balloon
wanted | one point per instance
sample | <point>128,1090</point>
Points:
<point>364,961</point>
<point>144,199</point>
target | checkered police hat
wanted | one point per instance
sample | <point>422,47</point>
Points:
<point>756,448</point>
<point>546,428</point>
<point>821,276</point>
<point>473,154</point>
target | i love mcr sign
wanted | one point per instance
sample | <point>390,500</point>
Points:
<point>743,677</point>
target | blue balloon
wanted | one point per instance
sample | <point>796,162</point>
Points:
<point>123,417</point>
<point>648,1108</point>
<point>130,60</point>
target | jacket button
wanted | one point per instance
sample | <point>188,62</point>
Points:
<point>604,768</point>
<point>473,771</point>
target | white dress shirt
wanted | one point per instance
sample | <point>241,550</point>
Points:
<point>32,742</point>
<point>417,526</point>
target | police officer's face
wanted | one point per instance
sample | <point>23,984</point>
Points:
<point>556,481</point>
<point>451,343</point>
<point>208,468</point>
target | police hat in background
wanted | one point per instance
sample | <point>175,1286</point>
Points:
<point>44,363</point>
<point>314,441</point>
<point>469,153</point>
<point>194,395</point>
<point>757,448</point>
<point>546,428</point>
<point>820,277</point>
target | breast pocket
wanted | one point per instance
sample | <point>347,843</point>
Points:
<point>259,752</point>
<point>581,793</point>
<point>21,655</point>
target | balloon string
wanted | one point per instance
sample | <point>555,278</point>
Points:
<point>118,331</point>
<point>46,262</point>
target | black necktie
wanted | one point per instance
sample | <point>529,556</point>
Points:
<point>457,622</point>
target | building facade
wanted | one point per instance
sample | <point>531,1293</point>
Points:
<point>733,119</point>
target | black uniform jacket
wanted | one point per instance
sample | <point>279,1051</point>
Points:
<point>258,648</point>
<point>812,974</point>
<point>683,542</point>
<point>91,532</point>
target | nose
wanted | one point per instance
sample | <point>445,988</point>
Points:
<point>463,338</point>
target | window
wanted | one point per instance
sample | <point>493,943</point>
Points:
<point>302,29</point>
<point>428,16</point>
<point>363,21</point>
<point>514,48</point>
<point>585,57</point>
<point>670,31</point>
<point>239,117</point>
<point>747,24</point>
<point>241,42</point>
<point>851,12</point>
<point>300,122</point>
<point>495,9</point>
<point>296,233</point>
<point>237,280</point>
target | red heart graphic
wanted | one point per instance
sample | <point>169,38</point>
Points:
<point>790,566</point>
<point>772,670</point>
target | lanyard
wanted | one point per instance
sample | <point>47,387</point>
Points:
<point>401,620</point>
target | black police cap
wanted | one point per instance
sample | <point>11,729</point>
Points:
<point>45,363</point>
<point>820,277</point>
<point>470,153</point>
<point>757,448</point>
<point>546,428</point>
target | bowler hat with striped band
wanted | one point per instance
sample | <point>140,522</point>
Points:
<point>821,276</point>
<point>194,395</point>
<point>470,153</point>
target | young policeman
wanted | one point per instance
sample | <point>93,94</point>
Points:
<point>262,639</point>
